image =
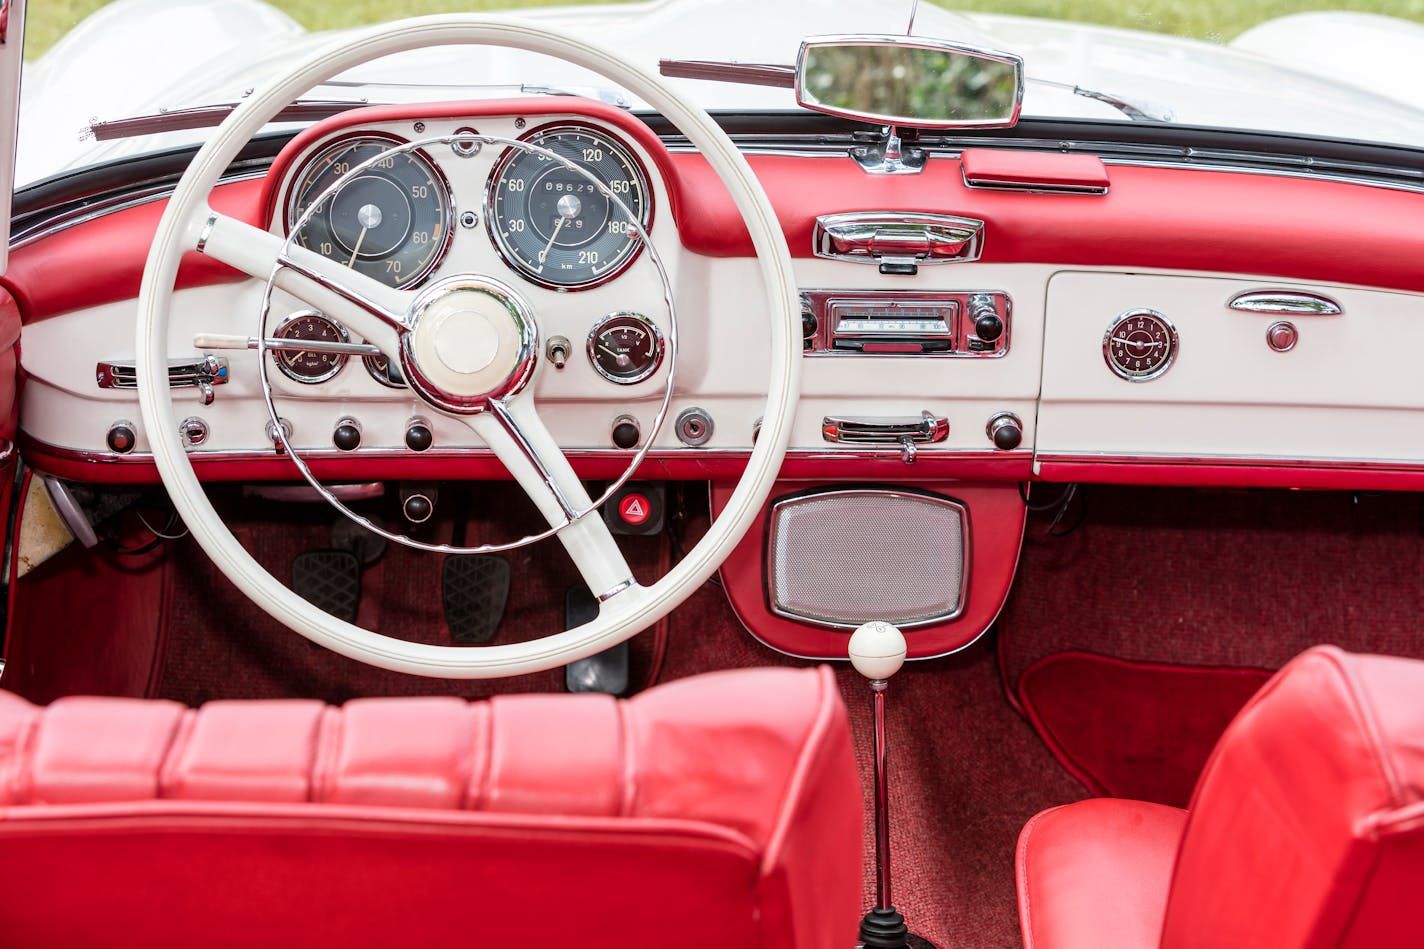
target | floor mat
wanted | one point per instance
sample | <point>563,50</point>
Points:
<point>1138,730</point>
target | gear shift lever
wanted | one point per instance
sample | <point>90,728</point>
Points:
<point>877,650</point>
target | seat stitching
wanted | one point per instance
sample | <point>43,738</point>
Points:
<point>811,745</point>
<point>166,776</point>
<point>628,799</point>
<point>1025,905</point>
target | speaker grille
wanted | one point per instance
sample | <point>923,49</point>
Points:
<point>842,557</point>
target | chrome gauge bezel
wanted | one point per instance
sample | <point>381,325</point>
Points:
<point>536,137</point>
<point>659,347</point>
<point>385,140</point>
<point>1173,345</point>
<point>286,370</point>
<point>382,379</point>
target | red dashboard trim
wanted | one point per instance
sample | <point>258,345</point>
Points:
<point>101,261</point>
<point>997,515</point>
<point>1154,217</point>
<point>1232,473</point>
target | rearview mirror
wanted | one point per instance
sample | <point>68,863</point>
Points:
<point>909,81</point>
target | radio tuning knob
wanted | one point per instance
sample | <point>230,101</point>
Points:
<point>987,324</point>
<point>1005,431</point>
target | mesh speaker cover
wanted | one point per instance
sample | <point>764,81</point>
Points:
<point>841,558</point>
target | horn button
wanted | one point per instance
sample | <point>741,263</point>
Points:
<point>471,340</point>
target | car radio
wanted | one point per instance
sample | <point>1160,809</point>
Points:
<point>881,323</point>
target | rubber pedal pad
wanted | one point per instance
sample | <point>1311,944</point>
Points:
<point>329,580</point>
<point>606,671</point>
<point>474,589</point>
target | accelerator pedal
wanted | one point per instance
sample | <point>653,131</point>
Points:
<point>474,589</point>
<point>606,671</point>
<point>329,580</point>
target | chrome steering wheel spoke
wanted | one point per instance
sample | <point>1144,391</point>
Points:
<point>513,429</point>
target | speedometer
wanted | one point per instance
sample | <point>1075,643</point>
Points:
<point>390,221</point>
<point>555,226</point>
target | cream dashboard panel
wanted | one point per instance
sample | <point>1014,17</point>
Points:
<point>1348,391</point>
<point>722,366</point>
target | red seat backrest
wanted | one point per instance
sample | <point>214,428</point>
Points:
<point>1307,826</point>
<point>718,811</point>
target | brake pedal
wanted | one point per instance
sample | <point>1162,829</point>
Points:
<point>474,589</point>
<point>606,671</point>
<point>329,580</point>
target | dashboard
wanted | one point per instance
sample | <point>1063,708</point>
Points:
<point>1041,321</point>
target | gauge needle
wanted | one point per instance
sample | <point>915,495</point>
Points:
<point>621,359</point>
<point>543,254</point>
<point>368,216</point>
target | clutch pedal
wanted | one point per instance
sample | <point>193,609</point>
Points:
<point>329,580</point>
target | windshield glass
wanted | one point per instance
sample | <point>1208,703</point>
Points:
<point>1295,66</point>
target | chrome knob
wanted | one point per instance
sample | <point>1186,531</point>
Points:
<point>1005,430</point>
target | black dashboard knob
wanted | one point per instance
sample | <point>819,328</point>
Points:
<point>626,432</point>
<point>417,508</point>
<point>121,438</point>
<point>989,327</point>
<point>418,436</point>
<point>347,435</point>
<point>1005,431</point>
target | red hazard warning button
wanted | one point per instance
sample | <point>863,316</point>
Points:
<point>634,508</point>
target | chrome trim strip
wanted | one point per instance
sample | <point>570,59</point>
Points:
<point>965,549</point>
<point>1285,303</point>
<point>206,233</point>
<point>613,591</point>
<point>926,429</point>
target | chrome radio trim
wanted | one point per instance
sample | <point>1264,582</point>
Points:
<point>962,342</point>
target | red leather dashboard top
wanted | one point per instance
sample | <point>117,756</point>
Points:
<point>1164,218</point>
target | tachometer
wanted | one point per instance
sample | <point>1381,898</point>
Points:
<point>390,222</point>
<point>555,226</point>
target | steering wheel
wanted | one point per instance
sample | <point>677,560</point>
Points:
<point>467,338</point>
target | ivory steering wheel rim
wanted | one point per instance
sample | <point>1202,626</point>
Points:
<point>187,224</point>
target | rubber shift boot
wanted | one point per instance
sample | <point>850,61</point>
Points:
<point>606,671</point>
<point>474,589</point>
<point>329,580</point>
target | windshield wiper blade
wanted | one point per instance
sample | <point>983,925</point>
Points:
<point>210,116</point>
<point>746,74</point>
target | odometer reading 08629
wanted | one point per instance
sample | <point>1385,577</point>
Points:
<point>553,224</point>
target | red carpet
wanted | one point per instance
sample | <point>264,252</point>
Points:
<point>1138,730</point>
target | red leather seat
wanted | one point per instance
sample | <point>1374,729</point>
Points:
<point>720,811</point>
<point>1306,829</point>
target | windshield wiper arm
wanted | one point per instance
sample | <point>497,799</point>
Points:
<point>303,110</point>
<point>1135,109</point>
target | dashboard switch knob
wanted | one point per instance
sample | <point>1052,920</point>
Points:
<point>988,327</point>
<point>418,436</point>
<point>417,508</point>
<point>121,438</point>
<point>626,432</point>
<point>347,435</point>
<point>1005,431</point>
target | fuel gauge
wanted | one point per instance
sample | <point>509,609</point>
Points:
<point>625,347</point>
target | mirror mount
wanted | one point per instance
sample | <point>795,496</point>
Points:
<point>891,155</point>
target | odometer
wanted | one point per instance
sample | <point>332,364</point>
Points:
<point>391,221</point>
<point>556,227</point>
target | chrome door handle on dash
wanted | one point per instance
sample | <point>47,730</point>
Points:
<point>905,431</point>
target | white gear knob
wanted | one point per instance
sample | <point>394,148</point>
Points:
<point>877,650</point>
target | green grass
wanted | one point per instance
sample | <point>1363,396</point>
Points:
<point>1212,20</point>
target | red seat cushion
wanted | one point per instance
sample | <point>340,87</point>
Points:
<point>723,810</point>
<point>1094,875</point>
